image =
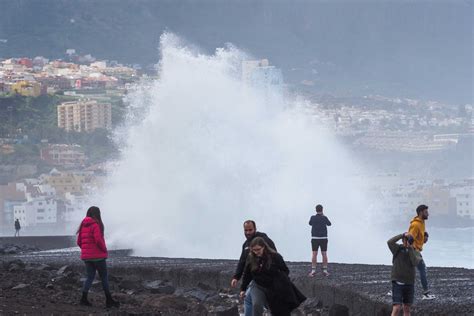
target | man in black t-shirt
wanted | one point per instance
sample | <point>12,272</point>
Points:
<point>319,238</point>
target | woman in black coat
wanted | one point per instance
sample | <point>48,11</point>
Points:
<point>266,267</point>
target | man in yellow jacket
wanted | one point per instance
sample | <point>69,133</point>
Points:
<point>417,230</point>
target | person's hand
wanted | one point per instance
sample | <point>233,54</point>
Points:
<point>242,294</point>
<point>233,283</point>
<point>425,239</point>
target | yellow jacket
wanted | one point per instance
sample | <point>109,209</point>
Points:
<point>417,230</point>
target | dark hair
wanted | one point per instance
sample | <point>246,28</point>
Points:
<point>94,212</point>
<point>268,251</point>
<point>421,208</point>
<point>319,208</point>
<point>249,221</point>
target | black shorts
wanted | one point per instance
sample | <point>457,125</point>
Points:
<point>402,293</point>
<point>316,243</point>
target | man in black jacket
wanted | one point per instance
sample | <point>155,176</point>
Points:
<point>319,238</point>
<point>253,296</point>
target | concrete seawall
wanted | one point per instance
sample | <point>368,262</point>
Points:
<point>361,288</point>
<point>40,242</point>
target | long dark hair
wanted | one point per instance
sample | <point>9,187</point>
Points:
<point>94,212</point>
<point>268,251</point>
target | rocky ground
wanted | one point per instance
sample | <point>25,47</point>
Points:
<point>28,288</point>
<point>49,283</point>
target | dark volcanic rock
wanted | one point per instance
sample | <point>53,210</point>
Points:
<point>361,288</point>
<point>14,265</point>
<point>312,306</point>
<point>173,305</point>
<point>199,294</point>
<point>159,287</point>
<point>338,310</point>
<point>224,311</point>
<point>64,270</point>
<point>20,286</point>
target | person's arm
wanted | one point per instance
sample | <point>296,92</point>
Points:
<point>392,243</point>
<point>310,221</point>
<point>241,265</point>
<point>98,238</point>
<point>246,278</point>
<point>415,258</point>
<point>328,222</point>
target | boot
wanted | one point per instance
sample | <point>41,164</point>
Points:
<point>84,301</point>
<point>110,302</point>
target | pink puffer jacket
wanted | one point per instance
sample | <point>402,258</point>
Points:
<point>90,240</point>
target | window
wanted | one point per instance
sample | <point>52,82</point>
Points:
<point>39,217</point>
<point>41,210</point>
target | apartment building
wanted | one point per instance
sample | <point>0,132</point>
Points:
<point>84,115</point>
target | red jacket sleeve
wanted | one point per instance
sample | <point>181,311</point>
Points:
<point>98,238</point>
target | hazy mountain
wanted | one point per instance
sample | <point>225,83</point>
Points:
<point>420,49</point>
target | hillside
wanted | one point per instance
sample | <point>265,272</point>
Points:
<point>412,49</point>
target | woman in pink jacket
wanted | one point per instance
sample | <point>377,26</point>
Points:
<point>90,238</point>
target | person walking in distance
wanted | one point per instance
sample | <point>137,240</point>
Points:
<point>405,259</point>
<point>420,236</point>
<point>254,298</point>
<point>319,239</point>
<point>17,228</point>
<point>90,238</point>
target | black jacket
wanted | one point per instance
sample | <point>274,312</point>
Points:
<point>245,253</point>
<point>319,225</point>
<point>282,295</point>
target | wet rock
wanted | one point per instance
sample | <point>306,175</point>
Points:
<point>159,287</point>
<point>44,267</point>
<point>204,286</point>
<point>20,286</point>
<point>199,294</point>
<point>129,284</point>
<point>64,270</point>
<point>173,305</point>
<point>224,311</point>
<point>338,310</point>
<point>312,305</point>
<point>150,285</point>
<point>14,265</point>
<point>11,250</point>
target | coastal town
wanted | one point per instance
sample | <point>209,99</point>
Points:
<point>86,98</point>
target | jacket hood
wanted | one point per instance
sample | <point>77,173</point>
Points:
<point>88,221</point>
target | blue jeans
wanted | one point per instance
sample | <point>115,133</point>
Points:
<point>91,268</point>
<point>255,300</point>
<point>422,270</point>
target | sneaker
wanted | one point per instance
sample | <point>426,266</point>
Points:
<point>312,274</point>
<point>326,273</point>
<point>428,296</point>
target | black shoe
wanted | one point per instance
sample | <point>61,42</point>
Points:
<point>84,301</point>
<point>110,302</point>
